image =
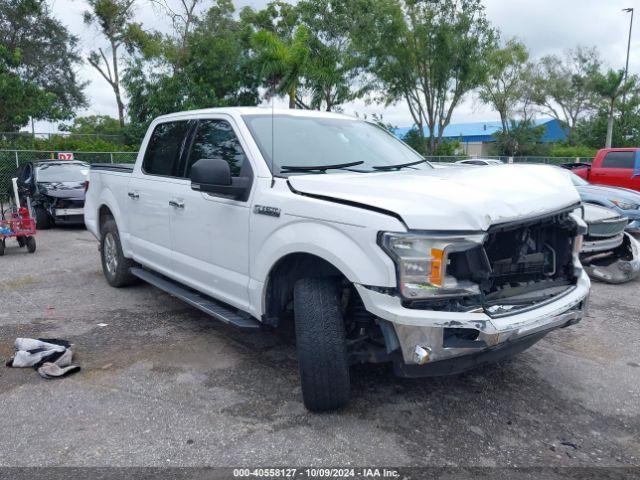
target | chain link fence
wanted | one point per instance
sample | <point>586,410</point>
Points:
<point>11,160</point>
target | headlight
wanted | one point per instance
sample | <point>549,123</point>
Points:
<point>624,205</point>
<point>421,263</point>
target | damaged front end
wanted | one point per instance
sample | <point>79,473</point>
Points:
<point>466,299</point>
<point>609,254</point>
<point>512,266</point>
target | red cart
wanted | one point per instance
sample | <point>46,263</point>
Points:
<point>19,225</point>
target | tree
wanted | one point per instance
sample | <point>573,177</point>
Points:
<point>282,61</point>
<point>20,99</point>
<point>592,131</point>
<point>429,54</point>
<point>506,86</point>
<point>113,18</point>
<point>521,138</point>
<point>610,86</point>
<point>160,77</point>
<point>332,72</point>
<point>38,61</point>
<point>562,86</point>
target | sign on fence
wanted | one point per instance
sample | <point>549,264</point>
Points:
<point>65,155</point>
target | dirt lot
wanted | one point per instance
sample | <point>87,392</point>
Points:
<point>163,384</point>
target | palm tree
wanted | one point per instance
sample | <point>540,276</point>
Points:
<point>609,87</point>
<point>283,61</point>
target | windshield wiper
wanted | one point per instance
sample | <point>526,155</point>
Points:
<point>394,167</point>
<point>320,168</point>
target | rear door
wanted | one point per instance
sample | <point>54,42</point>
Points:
<point>153,184</point>
<point>210,234</point>
<point>616,168</point>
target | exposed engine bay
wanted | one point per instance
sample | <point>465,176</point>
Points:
<point>519,265</point>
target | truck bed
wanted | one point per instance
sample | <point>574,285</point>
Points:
<point>114,167</point>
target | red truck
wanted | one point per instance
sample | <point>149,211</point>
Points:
<point>618,167</point>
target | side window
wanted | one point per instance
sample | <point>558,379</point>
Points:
<point>619,160</point>
<point>162,156</point>
<point>25,174</point>
<point>216,139</point>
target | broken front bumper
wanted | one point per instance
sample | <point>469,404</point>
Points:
<point>427,337</point>
<point>618,266</point>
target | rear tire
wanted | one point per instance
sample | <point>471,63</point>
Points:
<point>115,266</point>
<point>31,244</point>
<point>43,219</point>
<point>321,344</point>
<point>1,247</point>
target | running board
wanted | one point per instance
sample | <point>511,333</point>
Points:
<point>208,306</point>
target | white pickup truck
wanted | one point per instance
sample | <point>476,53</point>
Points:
<point>332,226</point>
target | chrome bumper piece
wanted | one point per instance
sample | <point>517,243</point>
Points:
<point>426,328</point>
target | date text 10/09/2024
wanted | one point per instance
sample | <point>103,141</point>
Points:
<point>316,472</point>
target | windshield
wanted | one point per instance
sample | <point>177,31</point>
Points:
<point>304,141</point>
<point>62,172</point>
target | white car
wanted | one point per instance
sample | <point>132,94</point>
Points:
<point>480,161</point>
<point>332,225</point>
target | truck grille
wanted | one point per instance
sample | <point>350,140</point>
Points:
<point>534,252</point>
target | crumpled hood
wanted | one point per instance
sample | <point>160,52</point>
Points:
<point>451,198</point>
<point>68,190</point>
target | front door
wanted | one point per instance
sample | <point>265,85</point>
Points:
<point>210,234</point>
<point>149,192</point>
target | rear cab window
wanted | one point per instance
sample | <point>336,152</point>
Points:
<point>619,160</point>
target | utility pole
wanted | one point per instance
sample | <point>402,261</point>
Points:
<point>626,66</point>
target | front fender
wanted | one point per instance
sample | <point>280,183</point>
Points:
<point>352,250</point>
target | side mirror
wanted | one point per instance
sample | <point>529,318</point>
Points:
<point>213,175</point>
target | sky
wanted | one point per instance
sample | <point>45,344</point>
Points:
<point>545,26</point>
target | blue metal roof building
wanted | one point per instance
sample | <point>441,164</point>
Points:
<point>482,132</point>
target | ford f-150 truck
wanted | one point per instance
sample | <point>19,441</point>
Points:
<point>331,227</point>
<point>619,167</point>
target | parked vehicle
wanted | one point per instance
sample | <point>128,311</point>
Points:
<point>480,161</point>
<point>618,167</point>
<point>332,225</point>
<point>622,200</point>
<point>56,188</point>
<point>608,253</point>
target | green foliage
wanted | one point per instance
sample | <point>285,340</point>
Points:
<point>562,86</point>
<point>447,147</point>
<point>65,143</point>
<point>566,150</point>
<point>429,54</point>
<point>282,61</point>
<point>507,82</point>
<point>205,68</point>
<point>523,138</point>
<point>592,131</point>
<point>93,124</point>
<point>38,58</point>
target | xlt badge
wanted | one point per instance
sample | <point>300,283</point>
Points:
<point>264,210</point>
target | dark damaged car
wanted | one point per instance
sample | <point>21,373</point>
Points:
<point>56,189</point>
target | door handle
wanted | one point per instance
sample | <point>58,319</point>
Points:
<point>133,195</point>
<point>176,204</point>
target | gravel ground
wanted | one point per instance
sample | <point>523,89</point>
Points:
<point>164,385</point>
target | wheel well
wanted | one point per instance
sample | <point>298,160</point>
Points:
<point>104,213</point>
<point>284,275</point>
